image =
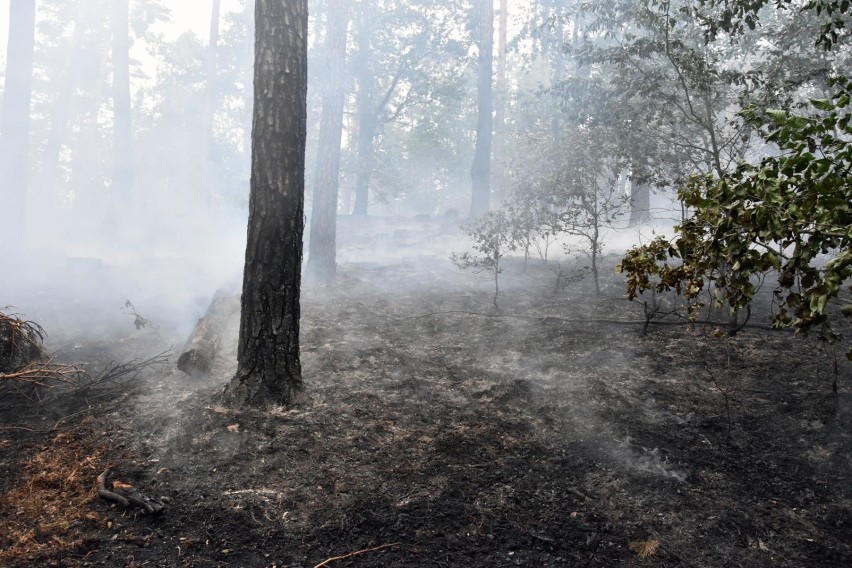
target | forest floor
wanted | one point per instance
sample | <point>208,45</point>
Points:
<point>436,431</point>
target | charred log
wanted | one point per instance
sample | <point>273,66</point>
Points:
<point>200,349</point>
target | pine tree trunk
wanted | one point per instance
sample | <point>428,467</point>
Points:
<point>268,366</point>
<point>123,135</point>
<point>480,170</point>
<point>15,127</point>
<point>210,74</point>
<point>322,261</point>
<point>48,177</point>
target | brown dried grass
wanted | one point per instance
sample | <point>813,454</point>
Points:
<point>45,512</point>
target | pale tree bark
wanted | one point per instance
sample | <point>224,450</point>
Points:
<point>640,203</point>
<point>268,364</point>
<point>322,255</point>
<point>15,127</point>
<point>500,101</point>
<point>210,74</point>
<point>367,122</point>
<point>122,180</point>
<point>558,72</point>
<point>544,34</point>
<point>480,170</point>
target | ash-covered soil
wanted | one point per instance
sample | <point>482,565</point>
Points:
<point>436,431</point>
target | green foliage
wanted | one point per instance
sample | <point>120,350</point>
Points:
<point>734,16</point>
<point>791,213</point>
<point>493,235</point>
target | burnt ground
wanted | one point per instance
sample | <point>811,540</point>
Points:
<point>450,435</point>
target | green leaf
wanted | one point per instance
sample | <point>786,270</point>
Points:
<point>822,104</point>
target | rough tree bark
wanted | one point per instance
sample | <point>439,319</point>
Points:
<point>322,248</point>
<point>15,126</point>
<point>480,170</point>
<point>122,130</point>
<point>268,364</point>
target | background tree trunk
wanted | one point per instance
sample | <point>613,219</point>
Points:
<point>501,96</point>
<point>123,146</point>
<point>210,73</point>
<point>480,170</point>
<point>322,261</point>
<point>640,203</point>
<point>48,178</point>
<point>15,127</point>
<point>366,118</point>
<point>558,72</point>
<point>268,364</point>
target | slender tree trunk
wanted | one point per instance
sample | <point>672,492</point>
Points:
<point>268,364</point>
<point>366,119</point>
<point>500,100</point>
<point>15,127</point>
<point>480,170</point>
<point>322,261</point>
<point>211,72</point>
<point>48,178</point>
<point>122,181</point>
<point>558,67</point>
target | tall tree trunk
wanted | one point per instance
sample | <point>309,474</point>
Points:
<point>480,170</point>
<point>322,261</point>
<point>123,135</point>
<point>210,74</point>
<point>268,364</point>
<point>15,127</point>
<point>366,119</point>
<point>558,72</point>
<point>500,100</point>
<point>48,178</point>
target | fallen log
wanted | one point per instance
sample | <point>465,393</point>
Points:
<point>200,349</point>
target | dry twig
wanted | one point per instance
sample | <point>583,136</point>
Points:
<point>356,553</point>
<point>130,498</point>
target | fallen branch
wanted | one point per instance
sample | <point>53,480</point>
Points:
<point>131,369</point>
<point>129,499</point>
<point>263,492</point>
<point>547,319</point>
<point>54,428</point>
<point>43,374</point>
<point>356,553</point>
<point>105,493</point>
<point>20,342</point>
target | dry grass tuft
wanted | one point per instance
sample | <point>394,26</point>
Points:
<point>645,548</point>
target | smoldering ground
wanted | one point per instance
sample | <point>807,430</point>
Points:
<point>465,436</point>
